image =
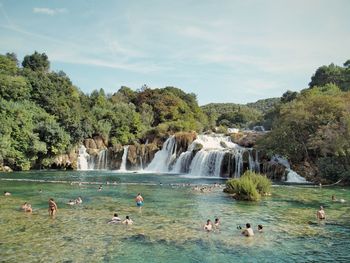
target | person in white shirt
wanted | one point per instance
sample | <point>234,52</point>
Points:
<point>248,232</point>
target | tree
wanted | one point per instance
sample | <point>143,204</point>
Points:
<point>36,62</point>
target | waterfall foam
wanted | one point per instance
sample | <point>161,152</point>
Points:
<point>124,158</point>
<point>164,158</point>
<point>83,157</point>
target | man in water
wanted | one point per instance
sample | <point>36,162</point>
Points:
<point>139,200</point>
<point>127,221</point>
<point>52,207</point>
<point>115,219</point>
<point>248,232</point>
<point>260,228</point>
<point>321,214</point>
<point>208,226</point>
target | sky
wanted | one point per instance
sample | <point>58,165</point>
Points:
<point>223,51</point>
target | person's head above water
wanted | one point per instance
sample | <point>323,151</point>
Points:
<point>115,214</point>
<point>247,225</point>
<point>260,227</point>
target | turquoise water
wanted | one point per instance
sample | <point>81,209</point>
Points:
<point>169,228</point>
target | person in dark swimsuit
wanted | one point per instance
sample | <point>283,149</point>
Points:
<point>52,207</point>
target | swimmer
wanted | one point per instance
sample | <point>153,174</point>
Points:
<point>208,226</point>
<point>24,206</point>
<point>100,187</point>
<point>52,207</point>
<point>6,193</point>
<point>127,221</point>
<point>71,202</point>
<point>29,208</point>
<point>334,199</point>
<point>115,219</point>
<point>78,201</point>
<point>217,222</point>
<point>248,232</point>
<point>321,214</point>
<point>139,200</point>
<point>260,228</point>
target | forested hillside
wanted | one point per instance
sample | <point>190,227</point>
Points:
<point>43,114</point>
<point>312,128</point>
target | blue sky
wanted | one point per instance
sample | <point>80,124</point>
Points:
<point>223,51</point>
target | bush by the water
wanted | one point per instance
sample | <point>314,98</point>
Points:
<point>249,187</point>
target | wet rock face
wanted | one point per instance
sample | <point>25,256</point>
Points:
<point>183,140</point>
<point>140,155</point>
<point>274,171</point>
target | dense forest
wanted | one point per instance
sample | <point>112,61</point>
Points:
<point>44,115</point>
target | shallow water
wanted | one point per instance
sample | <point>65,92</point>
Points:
<point>169,226</point>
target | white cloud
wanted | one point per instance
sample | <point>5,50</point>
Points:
<point>49,11</point>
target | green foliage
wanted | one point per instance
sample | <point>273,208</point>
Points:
<point>249,187</point>
<point>36,62</point>
<point>337,75</point>
<point>313,126</point>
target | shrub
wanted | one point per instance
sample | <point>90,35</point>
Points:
<point>249,187</point>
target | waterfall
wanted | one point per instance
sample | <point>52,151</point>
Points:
<point>293,177</point>
<point>163,158</point>
<point>124,157</point>
<point>182,164</point>
<point>239,162</point>
<point>101,161</point>
<point>257,163</point>
<point>83,158</point>
<point>141,163</point>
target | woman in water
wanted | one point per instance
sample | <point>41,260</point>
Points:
<point>127,221</point>
<point>52,207</point>
<point>208,226</point>
<point>139,200</point>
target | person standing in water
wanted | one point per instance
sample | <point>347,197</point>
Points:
<point>139,200</point>
<point>321,214</point>
<point>52,207</point>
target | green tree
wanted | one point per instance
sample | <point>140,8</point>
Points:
<point>36,62</point>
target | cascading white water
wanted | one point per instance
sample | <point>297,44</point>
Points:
<point>124,157</point>
<point>164,157</point>
<point>293,177</point>
<point>239,162</point>
<point>83,157</point>
<point>100,161</point>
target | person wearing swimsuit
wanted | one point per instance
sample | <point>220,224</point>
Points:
<point>139,200</point>
<point>52,207</point>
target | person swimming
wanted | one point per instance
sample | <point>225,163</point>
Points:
<point>248,232</point>
<point>260,228</point>
<point>217,222</point>
<point>139,200</point>
<point>127,221</point>
<point>208,226</point>
<point>71,202</point>
<point>115,219</point>
<point>79,201</point>
<point>6,193</point>
<point>26,207</point>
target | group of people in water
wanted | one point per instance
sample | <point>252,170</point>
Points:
<point>248,231</point>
